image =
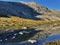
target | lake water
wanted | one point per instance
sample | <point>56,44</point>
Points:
<point>39,42</point>
<point>48,39</point>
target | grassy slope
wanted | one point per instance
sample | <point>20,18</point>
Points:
<point>18,23</point>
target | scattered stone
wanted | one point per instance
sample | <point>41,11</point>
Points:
<point>25,32</point>
<point>37,29</point>
<point>32,41</point>
<point>15,34</point>
<point>24,28</point>
<point>21,33</point>
<point>13,37</point>
<point>1,40</point>
<point>5,39</point>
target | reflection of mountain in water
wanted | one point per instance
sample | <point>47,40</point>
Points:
<point>17,35</point>
<point>39,42</point>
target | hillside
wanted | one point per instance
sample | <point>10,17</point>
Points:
<point>17,15</point>
<point>46,14</point>
<point>28,10</point>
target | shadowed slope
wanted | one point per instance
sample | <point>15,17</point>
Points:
<point>17,9</point>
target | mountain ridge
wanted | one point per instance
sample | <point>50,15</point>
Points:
<point>28,10</point>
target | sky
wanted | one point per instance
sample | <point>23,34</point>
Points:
<point>51,4</point>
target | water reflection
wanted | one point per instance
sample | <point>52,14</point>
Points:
<point>17,35</point>
<point>48,39</point>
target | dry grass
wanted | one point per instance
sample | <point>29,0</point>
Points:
<point>18,23</point>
